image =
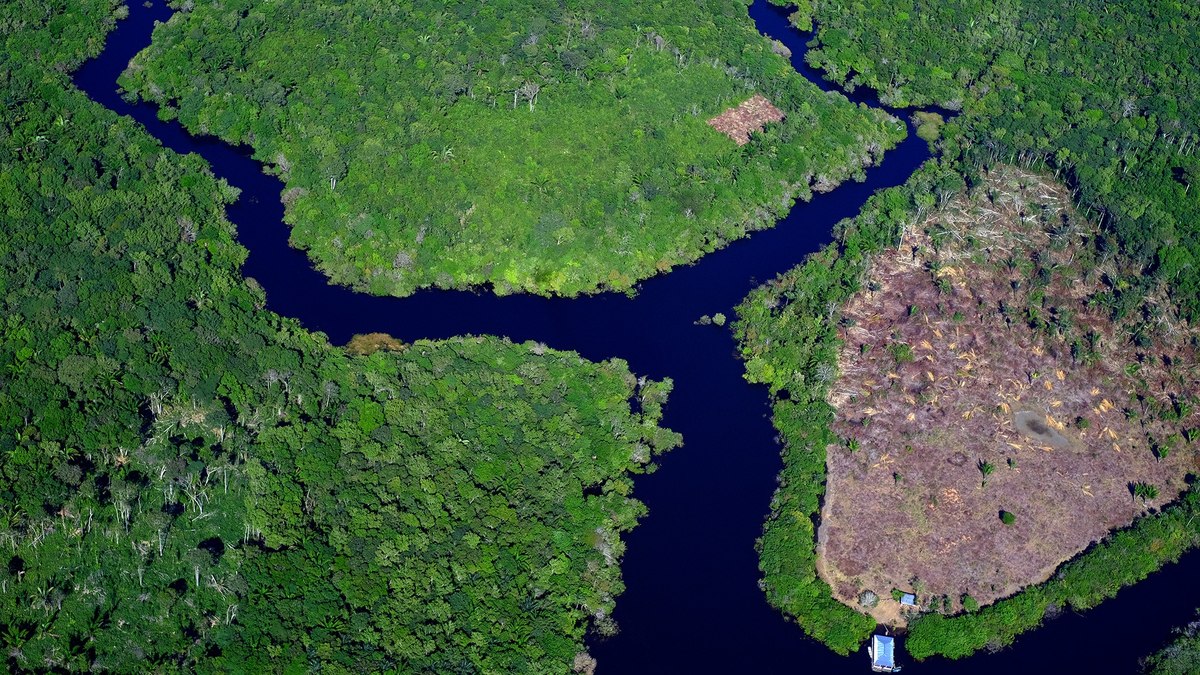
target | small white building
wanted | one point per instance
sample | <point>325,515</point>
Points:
<point>883,654</point>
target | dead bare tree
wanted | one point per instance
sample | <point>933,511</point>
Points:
<point>528,92</point>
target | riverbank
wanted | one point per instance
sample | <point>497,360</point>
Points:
<point>654,332</point>
<point>701,499</point>
<point>579,163</point>
<point>980,373</point>
<point>792,344</point>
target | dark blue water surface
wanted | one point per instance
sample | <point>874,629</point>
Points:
<point>692,603</point>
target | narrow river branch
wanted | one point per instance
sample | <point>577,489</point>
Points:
<point>692,602</point>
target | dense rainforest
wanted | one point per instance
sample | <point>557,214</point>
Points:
<point>537,146</point>
<point>193,483</point>
<point>1105,93</point>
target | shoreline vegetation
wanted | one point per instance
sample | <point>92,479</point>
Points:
<point>519,146</point>
<point>789,342</point>
<point>788,335</point>
<point>1107,98</point>
<point>980,372</point>
<point>194,483</point>
<point>1122,136</point>
<point>1180,657</point>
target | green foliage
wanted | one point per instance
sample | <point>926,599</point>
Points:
<point>1122,559</point>
<point>901,352</point>
<point>484,464</point>
<point>1144,491</point>
<point>969,603</point>
<point>1181,657</point>
<point>192,484</point>
<point>929,126</point>
<point>536,146</point>
<point>789,343</point>
<point>986,469</point>
<point>1007,517</point>
<point>1106,93</point>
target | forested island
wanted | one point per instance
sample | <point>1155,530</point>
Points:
<point>1101,97</point>
<point>544,147</point>
<point>192,483</point>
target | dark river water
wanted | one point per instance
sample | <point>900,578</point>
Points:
<point>692,603</point>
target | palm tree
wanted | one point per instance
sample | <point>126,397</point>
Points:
<point>1145,491</point>
<point>985,469</point>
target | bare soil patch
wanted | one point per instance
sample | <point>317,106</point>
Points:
<point>365,344</point>
<point>748,117</point>
<point>981,372</point>
<point>1035,425</point>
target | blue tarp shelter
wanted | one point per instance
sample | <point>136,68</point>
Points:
<point>883,654</point>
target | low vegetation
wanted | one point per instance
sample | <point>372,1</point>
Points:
<point>1121,560</point>
<point>193,484</point>
<point>1005,320</point>
<point>530,146</point>
<point>1123,137</point>
<point>789,331</point>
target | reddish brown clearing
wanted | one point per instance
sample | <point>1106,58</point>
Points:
<point>984,341</point>
<point>368,343</point>
<point>752,115</point>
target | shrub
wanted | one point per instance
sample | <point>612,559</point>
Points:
<point>985,469</point>
<point>901,352</point>
<point>868,599</point>
<point>969,604</point>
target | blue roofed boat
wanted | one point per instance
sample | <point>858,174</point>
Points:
<point>883,654</point>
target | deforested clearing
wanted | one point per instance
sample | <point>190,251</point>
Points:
<point>751,116</point>
<point>988,367</point>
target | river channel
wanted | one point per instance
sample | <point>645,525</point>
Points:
<point>692,603</point>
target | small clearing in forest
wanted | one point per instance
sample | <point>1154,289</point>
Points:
<point>752,115</point>
<point>998,399</point>
<point>365,344</point>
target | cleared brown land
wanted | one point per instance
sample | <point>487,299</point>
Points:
<point>365,344</point>
<point>1014,363</point>
<point>750,116</point>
